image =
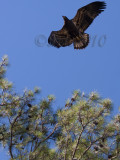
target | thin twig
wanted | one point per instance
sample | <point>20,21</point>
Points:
<point>46,138</point>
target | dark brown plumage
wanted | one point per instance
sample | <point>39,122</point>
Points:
<point>73,30</point>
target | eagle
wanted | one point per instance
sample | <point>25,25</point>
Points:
<point>73,30</point>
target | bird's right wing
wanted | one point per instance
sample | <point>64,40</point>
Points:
<point>60,38</point>
<point>87,14</point>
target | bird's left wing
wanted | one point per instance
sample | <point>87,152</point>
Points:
<point>60,38</point>
<point>87,14</point>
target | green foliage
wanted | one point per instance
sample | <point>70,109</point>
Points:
<point>81,130</point>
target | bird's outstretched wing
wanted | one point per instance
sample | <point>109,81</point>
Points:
<point>60,38</point>
<point>87,14</point>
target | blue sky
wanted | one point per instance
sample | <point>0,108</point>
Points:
<point>60,71</point>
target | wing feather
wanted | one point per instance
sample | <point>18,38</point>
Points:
<point>87,14</point>
<point>60,38</point>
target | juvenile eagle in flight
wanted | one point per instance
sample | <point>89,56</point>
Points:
<point>73,30</point>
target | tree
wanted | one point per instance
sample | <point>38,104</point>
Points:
<point>30,129</point>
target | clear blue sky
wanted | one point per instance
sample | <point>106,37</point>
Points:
<point>59,71</point>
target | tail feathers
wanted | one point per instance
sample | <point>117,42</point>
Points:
<point>82,42</point>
